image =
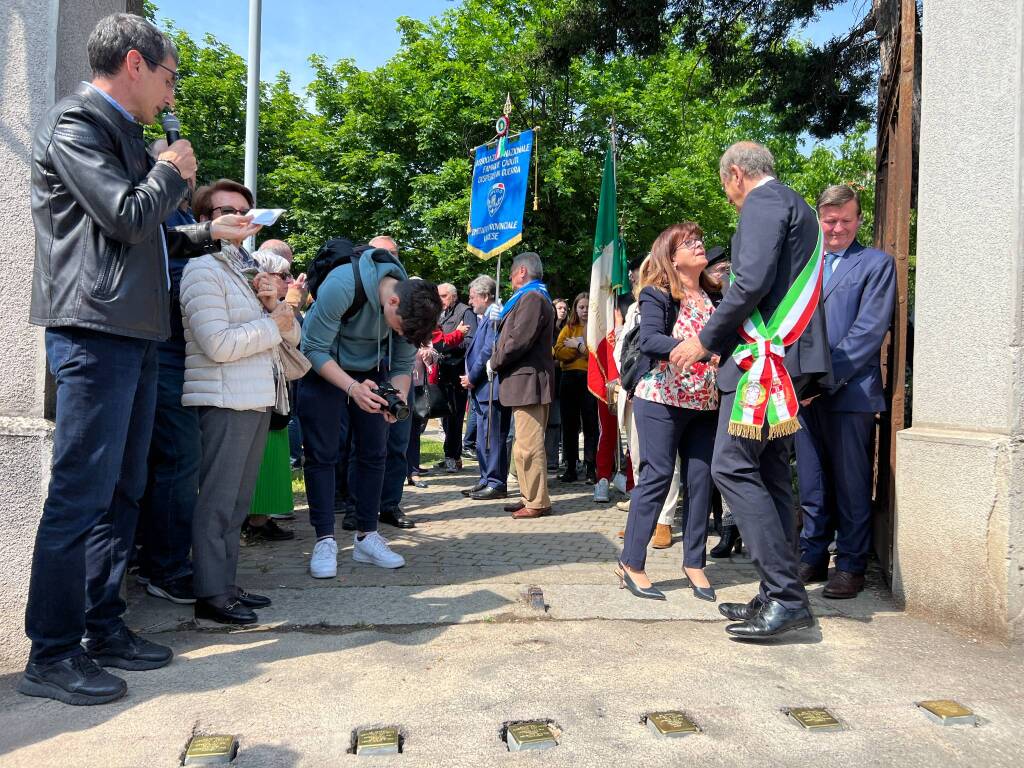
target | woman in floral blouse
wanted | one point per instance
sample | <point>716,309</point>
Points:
<point>675,410</point>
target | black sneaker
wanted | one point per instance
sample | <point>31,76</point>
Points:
<point>177,590</point>
<point>79,681</point>
<point>269,531</point>
<point>126,650</point>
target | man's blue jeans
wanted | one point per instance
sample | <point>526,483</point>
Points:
<point>106,396</point>
<point>165,525</point>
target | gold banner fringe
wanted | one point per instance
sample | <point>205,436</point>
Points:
<point>783,429</point>
<point>748,431</point>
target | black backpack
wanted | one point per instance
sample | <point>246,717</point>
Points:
<point>633,364</point>
<point>334,253</point>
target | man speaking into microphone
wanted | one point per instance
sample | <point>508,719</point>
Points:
<point>100,287</point>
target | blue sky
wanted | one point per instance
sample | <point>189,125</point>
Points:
<point>364,30</point>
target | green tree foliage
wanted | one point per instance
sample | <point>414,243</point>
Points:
<point>388,150</point>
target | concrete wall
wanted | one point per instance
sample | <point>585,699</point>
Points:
<point>960,523</point>
<point>34,69</point>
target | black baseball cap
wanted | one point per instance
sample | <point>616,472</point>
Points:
<point>716,254</point>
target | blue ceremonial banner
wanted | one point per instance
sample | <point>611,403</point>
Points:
<point>499,195</point>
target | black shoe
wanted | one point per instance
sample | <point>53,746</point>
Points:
<point>468,453</point>
<point>233,612</point>
<point>249,600</point>
<point>489,493</point>
<point>126,650</point>
<point>349,521</point>
<point>78,680</point>
<point>591,473</point>
<point>177,590</point>
<point>704,593</point>
<point>269,531</point>
<point>467,492</point>
<point>741,611</point>
<point>397,518</point>
<point>771,621</point>
<point>731,540</point>
<point>625,582</point>
<point>568,477</point>
<point>441,464</point>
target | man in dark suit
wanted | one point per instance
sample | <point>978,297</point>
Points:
<point>492,418</point>
<point>522,357</point>
<point>776,237</point>
<point>454,315</point>
<point>834,448</point>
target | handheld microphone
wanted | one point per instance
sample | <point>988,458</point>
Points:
<point>172,127</point>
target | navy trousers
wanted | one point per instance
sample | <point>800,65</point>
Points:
<point>754,478</point>
<point>469,439</point>
<point>833,462</point>
<point>396,465</point>
<point>457,398</point>
<point>492,453</point>
<point>325,412</point>
<point>165,523</point>
<point>665,432</point>
<point>106,397</point>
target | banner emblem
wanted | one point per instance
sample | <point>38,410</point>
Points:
<point>495,198</point>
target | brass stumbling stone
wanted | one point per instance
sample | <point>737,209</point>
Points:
<point>211,750</point>
<point>533,734</point>
<point>671,724</point>
<point>816,719</point>
<point>947,712</point>
<point>377,741</point>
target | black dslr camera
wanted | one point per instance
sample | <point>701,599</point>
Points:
<point>396,407</point>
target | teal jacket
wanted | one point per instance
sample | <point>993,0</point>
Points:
<point>354,344</point>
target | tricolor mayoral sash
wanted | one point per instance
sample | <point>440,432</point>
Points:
<point>765,389</point>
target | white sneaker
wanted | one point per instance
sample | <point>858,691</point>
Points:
<point>324,562</point>
<point>619,481</point>
<point>374,549</point>
<point>601,491</point>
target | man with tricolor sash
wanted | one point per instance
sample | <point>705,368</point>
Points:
<point>769,331</point>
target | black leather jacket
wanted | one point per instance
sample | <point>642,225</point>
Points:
<point>98,202</point>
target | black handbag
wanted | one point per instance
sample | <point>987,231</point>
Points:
<point>431,402</point>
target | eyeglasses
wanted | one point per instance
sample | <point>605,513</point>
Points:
<point>227,210</point>
<point>692,242</point>
<point>174,75</point>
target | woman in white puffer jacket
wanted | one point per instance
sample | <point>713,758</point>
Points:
<point>234,376</point>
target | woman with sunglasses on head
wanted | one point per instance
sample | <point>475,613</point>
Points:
<point>675,410</point>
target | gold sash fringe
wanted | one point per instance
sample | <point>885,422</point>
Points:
<point>751,432</point>
<point>748,431</point>
<point>783,429</point>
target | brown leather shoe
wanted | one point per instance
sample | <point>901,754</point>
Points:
<point>527,513</point>
<point>808,573</point>
<point>514,507</point>
<point>662,537</point>
<point>844,585</point>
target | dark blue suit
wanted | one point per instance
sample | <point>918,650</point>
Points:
<point>834,448</point>
<point>491,451</point>
<point>775,238</point>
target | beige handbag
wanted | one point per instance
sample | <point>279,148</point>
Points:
<point>294,364</point>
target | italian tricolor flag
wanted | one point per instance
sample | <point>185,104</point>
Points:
<point>608,278</point>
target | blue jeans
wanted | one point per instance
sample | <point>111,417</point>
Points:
<point>106,397</point>
<point>165,526</point>
<point>325,412</point>
<point>469,441</point>
<point>396,465</point>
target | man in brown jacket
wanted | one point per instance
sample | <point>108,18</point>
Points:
<point>523,360</point>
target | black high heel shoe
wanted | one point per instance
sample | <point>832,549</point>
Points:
<point>625,582</point>
<point>730,540</point>
<point>701,593</point>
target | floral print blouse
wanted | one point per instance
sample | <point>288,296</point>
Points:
<point>695,388</point>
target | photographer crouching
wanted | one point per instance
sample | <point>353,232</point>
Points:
<point>365,309</point>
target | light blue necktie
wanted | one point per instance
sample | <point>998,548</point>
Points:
<point>830,259</point>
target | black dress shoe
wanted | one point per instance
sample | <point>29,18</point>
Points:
<point>269,531</point>
<point>397,518</point>
<point>808,573</point>
<point>349,521</point>
<point>467,492</point>
<point>626,582</point>
<point>126,650</point>
<point>233,612</point>
<point>78,680</point>
<point>568,477</point>
<point>771,621</point>
<point>489,493</point>
<point>843,585</point>
<point>514,507</point>
<point>249,600</point>
<point>704,593</point>
<point>741,611</point>
<point>731,540</point>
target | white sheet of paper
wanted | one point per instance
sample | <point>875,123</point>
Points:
<point>265,216</point>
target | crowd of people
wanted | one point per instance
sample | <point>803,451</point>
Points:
<point>192,376</point>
